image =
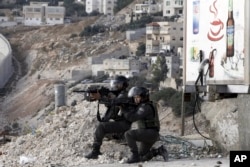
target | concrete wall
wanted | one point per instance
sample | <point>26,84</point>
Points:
<point>6,67</point>
<point>229,122</point>
<point>78,75</point>
<point>244,121</point>
<point>135,34</point>
<point>222,116</point>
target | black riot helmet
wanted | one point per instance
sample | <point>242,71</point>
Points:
<point>139,91</point>
<point>120,82</point>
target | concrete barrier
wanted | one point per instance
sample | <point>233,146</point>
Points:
<point>6,66</point>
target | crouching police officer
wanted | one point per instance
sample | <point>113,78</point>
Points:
<point>147,133</point>
<point>119,124</point>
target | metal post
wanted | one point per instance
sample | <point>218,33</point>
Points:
<point>183,112</point>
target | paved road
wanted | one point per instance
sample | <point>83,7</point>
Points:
<point>208,162</point>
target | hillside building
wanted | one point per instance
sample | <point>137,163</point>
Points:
<point>128,67</point>
<point>39,13</point>
<point>102,6</point>
<point>172,7</point>
<point>143,9</point>
<point>7,2</point>
<point>163,36</point>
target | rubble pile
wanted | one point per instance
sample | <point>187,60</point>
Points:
<point>63,138</point>
<point>64,135</point>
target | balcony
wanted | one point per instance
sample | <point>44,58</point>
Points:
<point>153,30</point>
<point>153,50</point>
<point>153,43</point>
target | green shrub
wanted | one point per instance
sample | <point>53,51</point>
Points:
<point>165,94</point>
<point>173,99</point>
<point>175,102</point>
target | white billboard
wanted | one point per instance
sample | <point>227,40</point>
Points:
<point>215,36</point>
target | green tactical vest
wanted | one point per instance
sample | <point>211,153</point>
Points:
<point>150,123</point>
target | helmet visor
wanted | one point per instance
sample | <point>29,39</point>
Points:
<point>115,85</point>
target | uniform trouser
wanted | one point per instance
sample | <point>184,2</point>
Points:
<point>104,128</point>
<point>146,137</point>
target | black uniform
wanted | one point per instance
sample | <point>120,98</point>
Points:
<point>148,129</point>
<point>120,125</point>
<point>106,127</point>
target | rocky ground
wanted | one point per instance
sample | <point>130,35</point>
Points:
<point>50,136</point>
<point>65,134</point>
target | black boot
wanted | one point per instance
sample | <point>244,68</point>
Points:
<point>94,153</point>
<point>163,152</point>
<point>134,158</point>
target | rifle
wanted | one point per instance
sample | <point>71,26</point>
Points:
<point>119,102</point>
<point>102,90</point>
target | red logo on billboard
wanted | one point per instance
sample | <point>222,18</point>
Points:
<point>216,26</point>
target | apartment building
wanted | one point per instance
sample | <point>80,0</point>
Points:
<point>80,2</point>
<point>128,67</point>
<point>39,13</point>
<point>172,7</point>
<point>142,9</point>
<point>163,36</point>
<point>7,2</point>
<point>102,6</point>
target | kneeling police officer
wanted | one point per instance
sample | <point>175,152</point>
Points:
<point>147,133</point>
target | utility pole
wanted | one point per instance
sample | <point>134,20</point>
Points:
<point>183,112</point>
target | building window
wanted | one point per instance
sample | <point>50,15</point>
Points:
<point>181,38</point>
<point>167,3</point>
<point>149,37</point>
<point>180,11</point>
<point>37,10</point>
<point>174,28</point>
<point>179,2</point>
<point>168,11</point>
<point>181,29</point>
<point>173,38</point>
<point>29,9</point>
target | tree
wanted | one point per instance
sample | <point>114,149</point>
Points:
<point>141,49</point>
<point>120,4</point>
<point>160,69</point>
